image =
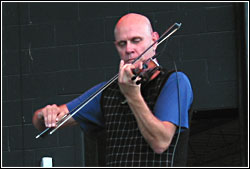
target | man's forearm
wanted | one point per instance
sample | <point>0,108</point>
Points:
<point>155,132</point>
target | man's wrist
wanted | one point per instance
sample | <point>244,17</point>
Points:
<point>134,99</point>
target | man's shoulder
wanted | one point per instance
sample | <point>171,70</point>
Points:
<point>171,79</point>
<point>179,75</point>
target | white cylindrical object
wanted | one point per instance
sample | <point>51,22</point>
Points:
<point>46,162</point>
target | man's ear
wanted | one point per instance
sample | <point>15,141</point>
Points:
<point>155,37</point>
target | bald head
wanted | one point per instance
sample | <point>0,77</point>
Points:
<point>133,34</point>
<point>133,19</point>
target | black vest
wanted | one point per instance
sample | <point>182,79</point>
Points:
<point>125,144</point>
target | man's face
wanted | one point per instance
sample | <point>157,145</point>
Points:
<point>132,40</point>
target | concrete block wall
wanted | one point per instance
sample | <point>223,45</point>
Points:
<point>53,52</point>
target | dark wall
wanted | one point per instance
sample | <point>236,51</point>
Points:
<point>53,52</point>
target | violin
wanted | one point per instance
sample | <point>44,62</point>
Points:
<point>149,71</point>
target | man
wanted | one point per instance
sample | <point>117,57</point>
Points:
<point>140,121</point>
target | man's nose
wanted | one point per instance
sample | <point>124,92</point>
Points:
<point>129,48</point>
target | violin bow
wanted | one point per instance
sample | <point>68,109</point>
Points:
<point>66,117</point>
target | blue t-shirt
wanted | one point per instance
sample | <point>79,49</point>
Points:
<point>166,108</point>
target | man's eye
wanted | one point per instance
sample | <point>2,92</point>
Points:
<point>122,43</point>
<point>136,40</point>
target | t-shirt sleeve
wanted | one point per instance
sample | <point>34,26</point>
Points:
<point>90,116</point>
<point>170,100</point>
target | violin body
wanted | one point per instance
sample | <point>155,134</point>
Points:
<point>150,69</point>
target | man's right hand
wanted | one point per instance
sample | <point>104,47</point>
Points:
<point>49,116</point>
